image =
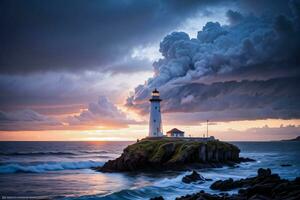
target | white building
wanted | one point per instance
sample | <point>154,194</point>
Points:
<point>175,133</point>
<point>155,124</point>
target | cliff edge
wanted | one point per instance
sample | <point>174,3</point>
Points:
<point>173,153</point>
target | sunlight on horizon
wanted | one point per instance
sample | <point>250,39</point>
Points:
<point>221,130</point>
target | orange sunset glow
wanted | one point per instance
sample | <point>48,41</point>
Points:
<point>150,99</point>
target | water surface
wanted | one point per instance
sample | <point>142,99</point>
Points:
<point>61,170</point>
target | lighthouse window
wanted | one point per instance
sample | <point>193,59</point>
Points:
<point>155,107</point>
<point>154,120</point>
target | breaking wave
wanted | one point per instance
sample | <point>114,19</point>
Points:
<point>93,151</point>
<point>37,153</point>
<point>42,153</point>
<point>169,188</point>
<point>50,166</point>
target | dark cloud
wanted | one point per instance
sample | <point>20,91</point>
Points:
<point>48,89</point>
<point>60,35</point>
<point>47,47</point>
<point>229,101</point>
<point>230,71</point>
<point>234,17</point>
<point>27,120</point>
<point>265,7</point>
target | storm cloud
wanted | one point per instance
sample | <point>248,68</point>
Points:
<point>230,70</point>
<point>48,35</point>
<point>27,120</point>
<point>57,56</point>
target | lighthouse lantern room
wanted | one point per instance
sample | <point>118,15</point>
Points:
<point>155,124</point>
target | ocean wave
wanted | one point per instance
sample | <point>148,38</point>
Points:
<point>94,151</point>
<point>42,153</point>
<point>37,153</point>
<point>50,166</point>
<point>136,194</point>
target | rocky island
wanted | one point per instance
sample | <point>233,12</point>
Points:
<point>294,139</point>
<point>173,153</point>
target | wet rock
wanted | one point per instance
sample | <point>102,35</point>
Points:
<point>229,184</point>
<point>242,159</point>
<point>259,197</point>
<point>264,172</point>
<point>202,153</point>
<point>193,177</point>
<point>223,185</point>
<point>265,186</point>
<point>200,196</point>
<point>157,198</point>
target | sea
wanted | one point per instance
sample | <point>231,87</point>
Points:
<point>62,170</point>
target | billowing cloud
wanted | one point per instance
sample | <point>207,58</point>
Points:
<point>56,57</point>
<point>234,17</point>
<point>102,114</point>
<point>38,36</point>
<point>247,70</point>
<point>27,120</point>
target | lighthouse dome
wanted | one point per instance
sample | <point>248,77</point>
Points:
<point>155,92</point>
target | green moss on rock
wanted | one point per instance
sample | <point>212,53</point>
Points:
<point>173,153</point>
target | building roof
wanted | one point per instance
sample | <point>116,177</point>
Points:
<point>155,91</point>
<point>175,130</point>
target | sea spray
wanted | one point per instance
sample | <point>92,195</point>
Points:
<point>49,166</point>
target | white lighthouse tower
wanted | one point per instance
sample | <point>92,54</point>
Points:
<point>155,125</point>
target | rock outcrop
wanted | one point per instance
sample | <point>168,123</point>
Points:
<point>294,139</point>
<point>193,177</point>
<point>265,186</point>
<point>173,153</point>
<point>263,175</point>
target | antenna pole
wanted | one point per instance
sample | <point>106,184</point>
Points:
<point>207,128</point>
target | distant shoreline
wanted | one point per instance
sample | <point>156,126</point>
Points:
<point>294,139</point>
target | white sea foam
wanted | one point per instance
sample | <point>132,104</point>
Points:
<point>170,181</point>
<point>50,166</point>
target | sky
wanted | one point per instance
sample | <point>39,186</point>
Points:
<point>84,70</point>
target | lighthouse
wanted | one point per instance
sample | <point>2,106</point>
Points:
<point>155,125</point>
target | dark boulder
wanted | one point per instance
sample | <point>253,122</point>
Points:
<point>223,185</point>
<point>264,172</point>
<point>265,186</point>
<point>263,175</point>
<point>193,177</point>
<point>200,196</point>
